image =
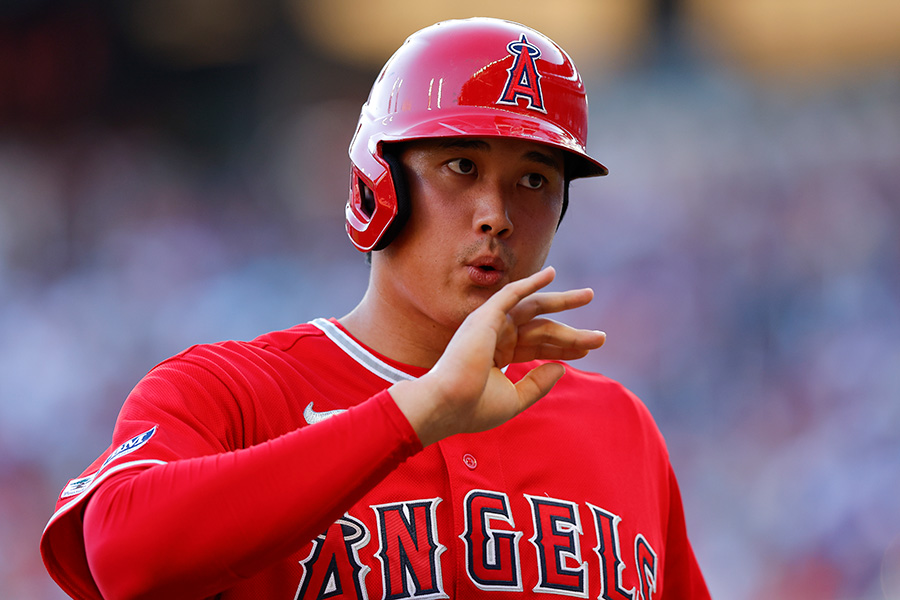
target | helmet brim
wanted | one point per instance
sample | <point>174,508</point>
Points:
<point>490,122</point>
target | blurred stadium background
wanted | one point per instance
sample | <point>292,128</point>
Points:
<point>174,171</point>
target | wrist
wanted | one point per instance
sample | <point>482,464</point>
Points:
<point>417,401</point>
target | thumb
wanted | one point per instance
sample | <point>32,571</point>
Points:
<point>538,382</point>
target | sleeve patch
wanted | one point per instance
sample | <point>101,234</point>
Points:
<point>76,486</point>
<point>129,446</point>
<point>81,484</point>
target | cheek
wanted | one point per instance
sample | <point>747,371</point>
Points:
<point>438,214</point>
<point>426,241</point>
<point>540,219</point>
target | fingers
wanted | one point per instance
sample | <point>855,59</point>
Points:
<point>548,339</point>
<point>521,336</point>
<point>538,382</point>
<point>547,332</point>
<point>547,353</point>
<point>521,301</point>
<point>513,293</point>
<point>550,302</point>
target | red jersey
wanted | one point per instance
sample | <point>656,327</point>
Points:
<point>574,497</point>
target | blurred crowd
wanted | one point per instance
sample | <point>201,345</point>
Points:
<point>748,266</point>
<point>744,253</point>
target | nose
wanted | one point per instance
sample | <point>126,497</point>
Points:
<point>492,214</point>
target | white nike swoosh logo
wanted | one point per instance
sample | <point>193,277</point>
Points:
<point>312,417</point>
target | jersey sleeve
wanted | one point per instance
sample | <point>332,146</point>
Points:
<point>180,456</point>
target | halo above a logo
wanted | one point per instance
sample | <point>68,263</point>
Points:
<point>523,79</point>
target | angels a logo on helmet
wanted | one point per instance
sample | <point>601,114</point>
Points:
<point>523,80</point>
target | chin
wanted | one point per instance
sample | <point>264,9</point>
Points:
<point>474,300</point>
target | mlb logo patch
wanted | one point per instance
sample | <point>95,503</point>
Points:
<point>76,486</point>
<point>81,484</point>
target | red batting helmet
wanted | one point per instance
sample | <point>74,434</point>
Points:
<point>467,78</point>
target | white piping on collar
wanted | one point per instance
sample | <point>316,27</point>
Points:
<point>365,358</point>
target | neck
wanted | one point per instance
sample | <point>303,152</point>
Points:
<point>410,339</point>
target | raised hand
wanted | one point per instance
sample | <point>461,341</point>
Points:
<point>466,391</point>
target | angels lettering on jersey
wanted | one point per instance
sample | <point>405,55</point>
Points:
<point>406,547</point>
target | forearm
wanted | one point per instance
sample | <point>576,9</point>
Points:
<point>191,528</point>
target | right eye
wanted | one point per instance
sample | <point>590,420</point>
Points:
<point>463,166</point>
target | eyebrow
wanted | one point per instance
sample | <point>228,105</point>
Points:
<point>543,158</point>
<point>546,159</point>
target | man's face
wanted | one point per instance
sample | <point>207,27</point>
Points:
<point>484,213</point>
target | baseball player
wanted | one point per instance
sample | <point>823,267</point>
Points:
<point>401,451</point>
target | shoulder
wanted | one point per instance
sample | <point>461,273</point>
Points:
<point>241,354</point>
<point>599,404</point>
<point>282,340</point>
<point>593,390</point>
<point>588,379</point>
<point>304,334</point>
<point>228,381</point>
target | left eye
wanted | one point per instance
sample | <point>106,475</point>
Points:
<point>532,181</point>
<point>463,166</point>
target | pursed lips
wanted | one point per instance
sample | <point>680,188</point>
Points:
<point>488,263</point>
<point>486,270</point>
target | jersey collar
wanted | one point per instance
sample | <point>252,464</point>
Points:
<point>366,357</point>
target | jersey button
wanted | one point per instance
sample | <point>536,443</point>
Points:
<point>470,461</point>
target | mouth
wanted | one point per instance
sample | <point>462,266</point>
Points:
<point>488,263</point>
<point>486,271</point>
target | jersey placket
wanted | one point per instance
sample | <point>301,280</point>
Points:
<point>485,539</point>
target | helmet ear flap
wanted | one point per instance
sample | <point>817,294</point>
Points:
<point>378,202</point>
<point>401,191</point>
<point>366,198</point>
